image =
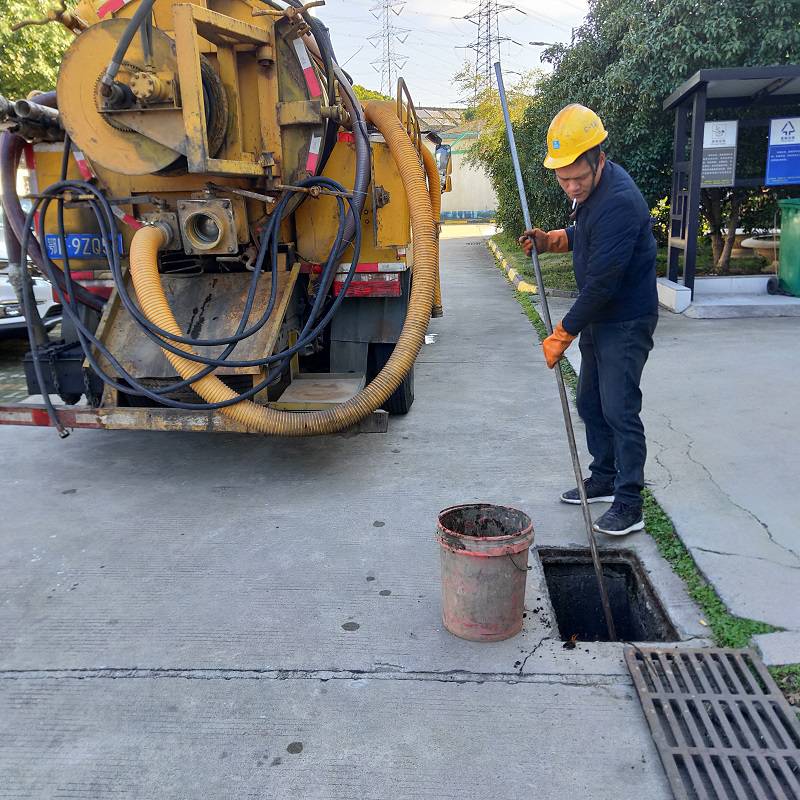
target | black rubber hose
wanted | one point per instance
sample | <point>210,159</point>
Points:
<point>107,230</point>
<point>10,152</point>
<point>11,147</point>
<point>159,336</point>
<point>269,239</point>
<point>23,288</point>
<point>138,19</point>
<point>363,152</point>
<point>29,309</point>
<point>309,332</point>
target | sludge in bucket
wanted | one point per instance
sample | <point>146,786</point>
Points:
<point>484,555</point>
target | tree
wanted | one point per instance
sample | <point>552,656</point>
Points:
<point>363,94</point>
<point>624,60</point>
<point>30,57</point>
<point>490,149</point>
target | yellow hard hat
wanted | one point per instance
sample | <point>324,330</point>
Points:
<point>573,131</point>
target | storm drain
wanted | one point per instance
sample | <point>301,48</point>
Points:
<point>572,585</point>
<point>721,725</point>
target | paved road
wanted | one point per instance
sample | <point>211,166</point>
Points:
<point>223,616</point>
<point>13,386</point>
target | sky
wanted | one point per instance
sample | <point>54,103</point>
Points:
<point>436,28</point>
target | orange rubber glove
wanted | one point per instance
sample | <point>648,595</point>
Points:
<point>556,344</point>
<point>546,242</point>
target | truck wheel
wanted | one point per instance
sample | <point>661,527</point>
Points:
<point>402,399</point>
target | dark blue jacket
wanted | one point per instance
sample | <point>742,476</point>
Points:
<point>613,254</point>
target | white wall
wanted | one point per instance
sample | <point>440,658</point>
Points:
<point>472,195</point>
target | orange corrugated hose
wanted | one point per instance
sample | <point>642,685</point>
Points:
<point>435,193</point>
<point>150,294</point>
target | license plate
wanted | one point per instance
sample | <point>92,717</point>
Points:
<point>79,245</point>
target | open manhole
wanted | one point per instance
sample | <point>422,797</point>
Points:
<point>571,582</point>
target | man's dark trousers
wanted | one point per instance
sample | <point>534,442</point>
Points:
<point>609,400</point>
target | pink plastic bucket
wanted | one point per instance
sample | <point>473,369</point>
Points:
<point>484,555</point>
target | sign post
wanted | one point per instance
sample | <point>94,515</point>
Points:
<point>719,154</point>
<point>783,155</point>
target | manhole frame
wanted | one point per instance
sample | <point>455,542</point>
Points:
<point>626,556</point>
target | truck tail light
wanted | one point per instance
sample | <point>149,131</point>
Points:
<point>372,279</point>
<point>367,284</point>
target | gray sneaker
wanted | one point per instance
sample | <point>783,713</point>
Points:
<point>596,492</point>
<point>619,520</point>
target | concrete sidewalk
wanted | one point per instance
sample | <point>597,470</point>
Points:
<point>723,428</point>
<point>220,616</point>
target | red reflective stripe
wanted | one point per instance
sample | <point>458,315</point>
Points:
<point>383,267</point>
<point>127,218</point>
<point>314,89</point>
<point>313,153</point>
<point>83,165</point>
<point>376,267</point>
<point>110,7</point>
<point>22,414</point>
<point>40,417</point>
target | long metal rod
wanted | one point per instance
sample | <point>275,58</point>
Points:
<point>562,390</point>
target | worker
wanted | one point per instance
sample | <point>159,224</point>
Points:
<point>615,313</point>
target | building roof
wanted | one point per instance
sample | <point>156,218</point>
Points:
<point>438,119</point>
<point>737,84</point>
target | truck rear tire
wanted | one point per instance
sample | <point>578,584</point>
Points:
<point>402,398</point>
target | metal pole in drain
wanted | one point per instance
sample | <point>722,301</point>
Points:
<point>562,391</point>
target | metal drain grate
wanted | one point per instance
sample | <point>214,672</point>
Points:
<point>722,727</point>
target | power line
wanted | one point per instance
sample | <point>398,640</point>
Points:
<point>486,17</point>
<point>389,62</point>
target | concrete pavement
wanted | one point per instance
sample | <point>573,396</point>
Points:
<point>219,616</point>
<point>722,416</point>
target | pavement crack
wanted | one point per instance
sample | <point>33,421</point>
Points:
<point>525,660</point>
<point>657,458</point>
<point>744,555</point>
<point>725,494</point>
<point>450,676</point>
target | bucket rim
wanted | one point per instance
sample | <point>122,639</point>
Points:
<point>521,534</point>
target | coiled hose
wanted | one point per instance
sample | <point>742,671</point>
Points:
<point>435,193</point>
<point>150,294</point>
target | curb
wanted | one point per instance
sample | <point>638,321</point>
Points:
<point>513,276</point>
<point>520,284</point>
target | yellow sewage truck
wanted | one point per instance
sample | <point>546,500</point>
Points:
<point>227,228</point>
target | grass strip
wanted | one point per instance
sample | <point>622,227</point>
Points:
<point>788,680</point>
<point>556,267</point>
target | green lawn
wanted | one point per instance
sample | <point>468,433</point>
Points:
<point>557,267</point>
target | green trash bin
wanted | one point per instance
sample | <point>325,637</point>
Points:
<point>789,264</point>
